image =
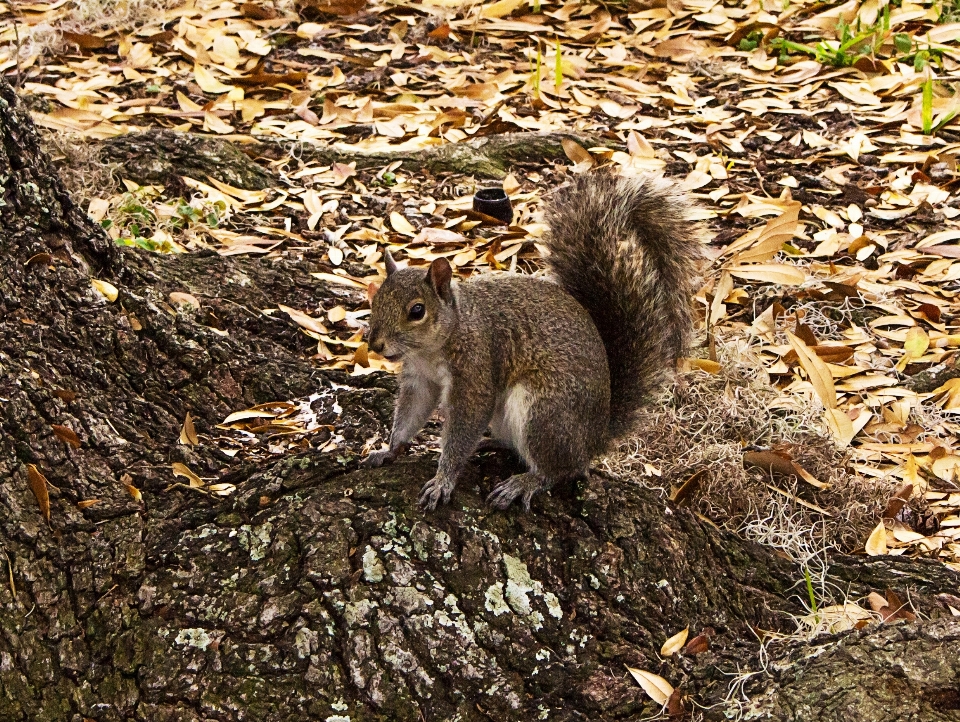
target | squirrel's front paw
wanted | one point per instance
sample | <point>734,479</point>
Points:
<point>433,492</point>
<point>379,458</point>
<point>384,456</point>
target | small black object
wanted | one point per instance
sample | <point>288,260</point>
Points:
<point>495,203</point>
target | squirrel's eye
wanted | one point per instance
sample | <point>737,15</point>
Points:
<point>416,312</point>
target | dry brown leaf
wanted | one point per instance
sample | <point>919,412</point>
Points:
<point>780,463</point>
<point>188,434</point>
<point>109,291</point>
<point>578,155</point>
<point>248,414</point>
<point>184,471</point>
<point>360,356</point>
<point>769,273</point>
<point>65,433</point>
<point>255,11</point>
<point>680,494</point>
<point>765,244</point>
<point>656,687</point>
<point>401,225</point>
<point>698,645</point>
<point>500,9</point>
<point>818,373</point>
<point>711,367</point>
<point>39,259</point>
<point>185,299</point>
<point>675,643</point>
<point>303,320</point>
<point>85,41</point>
<point>87,503</point>
<point>38,484</point>
<point>208,81</point>
<point>877,542</point>
<point>840,426</point>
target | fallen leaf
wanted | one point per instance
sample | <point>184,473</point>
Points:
<point>500,9</point>
<point>680,494</point>
<point>255,11</point>
<point>38,484</point>
<point>39,259</point>
<point>85,41</point>
<point>898,500</point>
<point>67,434</point>
<point>877,542</point>
<point>401,224</point>
<point>107,289</point>
<point>697,645</point>
<point>818,373</point>
<point>656,687</point>
<point>780,463</point>
<point>184,471</point>
<point>675,643</point>
<point>770,273</point>
<point>179,298</point>
<point>221,489</point>
<point>303,320</point>
<point>675,705</point>
<point>360,356</point>
<point>703,364</point>
<point>208,82</point>
<point>188,434</point>
<point>578,155</point>
<point>765,243</point>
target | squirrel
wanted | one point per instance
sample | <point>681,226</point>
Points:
<point>555,369</point>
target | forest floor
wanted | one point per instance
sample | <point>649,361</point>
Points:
<point>820,141</point>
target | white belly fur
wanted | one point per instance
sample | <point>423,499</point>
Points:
<point>509,422</point>
<point>426,371</point>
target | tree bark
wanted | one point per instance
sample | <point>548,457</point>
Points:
<point>318,590</point>
<point>162,156</point>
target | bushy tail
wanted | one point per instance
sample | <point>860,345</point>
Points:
<point>628,250</point>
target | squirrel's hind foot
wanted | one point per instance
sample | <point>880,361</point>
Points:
<point>435,491</point>
<point>523,486</point>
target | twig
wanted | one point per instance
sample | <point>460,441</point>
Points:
<point>198,489</point>
<point>16,35</point>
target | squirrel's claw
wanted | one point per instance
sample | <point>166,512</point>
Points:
<point>384,456</point>
<point>504,493</point>
<point>433,492</point>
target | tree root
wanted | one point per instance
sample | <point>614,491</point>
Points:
<point>160,156</point>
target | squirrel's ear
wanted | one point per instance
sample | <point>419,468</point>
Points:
<point>439,276</point>
<point>372,291</point>
<point>390,263</point>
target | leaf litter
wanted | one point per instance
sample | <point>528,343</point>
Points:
<point>819,139</point>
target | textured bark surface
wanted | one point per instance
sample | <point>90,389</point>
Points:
<point>489,156</point>
<point>903,672</point>
<point>161,156</point>
<point>319,591</point>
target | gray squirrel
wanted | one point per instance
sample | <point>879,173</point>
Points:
<point>555,369</point>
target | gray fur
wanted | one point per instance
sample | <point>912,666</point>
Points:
<point>523,356</point>
<point>628,251</point>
